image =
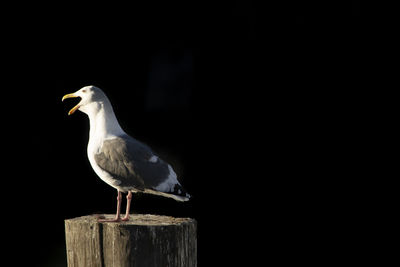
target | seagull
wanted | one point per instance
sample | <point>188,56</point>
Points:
<point>120,160</point>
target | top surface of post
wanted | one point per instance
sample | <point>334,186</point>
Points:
<point>135,219</point>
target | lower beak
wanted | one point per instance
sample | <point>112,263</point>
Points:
<point>71,96</point>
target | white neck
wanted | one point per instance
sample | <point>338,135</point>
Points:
<point>103,123</point>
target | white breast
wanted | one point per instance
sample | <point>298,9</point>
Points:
<point>103,126</point>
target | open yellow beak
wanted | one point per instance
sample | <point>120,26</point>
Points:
<point>71,96</point>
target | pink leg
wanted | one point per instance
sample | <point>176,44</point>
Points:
<point>128,206</point>
<point>117,218</point>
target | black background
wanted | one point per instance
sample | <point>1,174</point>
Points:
<point>221,90</point>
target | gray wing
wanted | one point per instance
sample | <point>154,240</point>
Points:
<point>132,163</point>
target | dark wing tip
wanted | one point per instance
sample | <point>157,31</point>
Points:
<point>180,191</point>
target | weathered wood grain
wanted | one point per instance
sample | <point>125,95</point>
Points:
<point>145,240</point>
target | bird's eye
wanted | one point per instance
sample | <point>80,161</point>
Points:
<point>84,91</point>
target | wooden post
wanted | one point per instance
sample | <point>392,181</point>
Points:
<point>143,241</point>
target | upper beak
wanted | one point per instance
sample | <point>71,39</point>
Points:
<point>71,96</point>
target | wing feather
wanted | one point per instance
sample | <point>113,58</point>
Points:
<point>132,163</point>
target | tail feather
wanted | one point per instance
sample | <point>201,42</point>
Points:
<point>178,197</point>
<point>180,191</point>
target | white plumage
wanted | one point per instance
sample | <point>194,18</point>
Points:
<point>120,160</point>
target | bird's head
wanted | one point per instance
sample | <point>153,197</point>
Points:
<point>90,96</point>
